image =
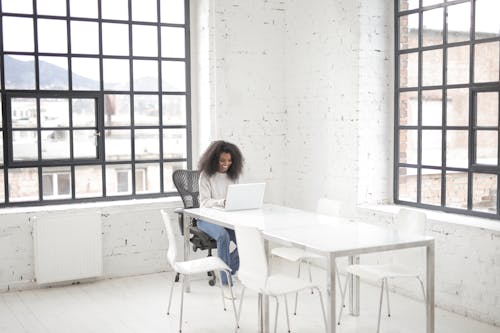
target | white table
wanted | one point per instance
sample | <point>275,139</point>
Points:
<point>331,236</point>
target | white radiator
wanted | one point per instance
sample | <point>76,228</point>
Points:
<point>67,247</point>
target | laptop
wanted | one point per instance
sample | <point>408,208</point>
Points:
<point>244,196</point>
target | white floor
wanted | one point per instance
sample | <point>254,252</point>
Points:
<point>138,304</point>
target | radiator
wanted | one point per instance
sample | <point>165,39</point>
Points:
<point>67,247</point>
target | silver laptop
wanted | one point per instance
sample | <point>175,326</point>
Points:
<point>245,196</point>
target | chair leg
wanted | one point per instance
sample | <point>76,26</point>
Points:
<point>342,294</point>
<point>276,314</point>
<point>422,287</point>
<point>287,316</point>
<point>310,275</point>
<point>171,291</point>
<point>338,279</point>
<point>380,305</point>
<point>228,275</point>
<point>297,293</point>
<point>387,294</point>
<point>322,309</point>
<point>239,307</point>
<point>221,290</point>
<point>182,301</point>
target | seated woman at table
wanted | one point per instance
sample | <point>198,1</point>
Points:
<point>220,165</point>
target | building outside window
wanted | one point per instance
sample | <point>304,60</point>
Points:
<point>447,105</point>
<point>93,92</point>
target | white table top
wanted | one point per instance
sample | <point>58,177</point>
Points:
<point>317,232</point>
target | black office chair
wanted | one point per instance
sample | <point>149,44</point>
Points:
<point>186,183</point>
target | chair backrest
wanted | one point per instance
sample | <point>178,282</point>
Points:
<point>328,207</point>
<point>186,183</point>
<point>253,271</point>
<point>172,245</point>
<point>411,221</point>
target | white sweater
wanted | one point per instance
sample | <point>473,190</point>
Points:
<point>213,189</point>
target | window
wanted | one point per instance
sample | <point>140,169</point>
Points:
<point>92,92</point>
<point>447,105</point>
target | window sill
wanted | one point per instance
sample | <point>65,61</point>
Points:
<point>442,217</point>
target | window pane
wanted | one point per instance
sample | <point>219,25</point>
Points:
<point>431,2</point>
<point>23,112</point>
<point>458,65</point>
<point>172,11</point>
<point>408,144</point>
<point>52,37</point>
<point>147,178</point>
<point>486,62</point>
<point>19,72</point>
<point>144,41</point>
<point>23,184</point>
<point>174,143</point>
<point>487,109</point>
<point>116,110</point>
<point>56,183</point>
<point>145,75</point>
<point>431,187</point>
<point>432,108</point>
<point>431,147</point>
<point>17,6</point>
<point>484,190</point>
<point>88,181</point>
<point>115,39</point>
<point>432,67</point>
<point>457,151</point>
<point>118,179</point>
<point>147,144</point>
<point>51,7</point>
<point>457,105</point>
<point>146,110</point>
<point>84,112</point>
<point>173,76</point>
<point>408,184</point>
<point>432,29</point>
<point>83,8</point>
<point>18,34</point>
<point>459,22</point>
<point>55,144</point>
<point>168,170</point>
<point>114,9</point>
<point>84,37</point>
<point>118,145</point>
<point>456,189</point>
<point>172,42</point>
<point>408,70</point>
<point>2,184</point>
<point>54,112</point>
<point>408,31</point>
<point>487,147</point>
<point>85,73</point>
<point>116,74</point>
<point>84,144</point>
<point>487,23</point>
<point>25,145</point>
<point>144,10</point>
<point>174,109</point>
<point>53,73</point>
<point>408,108</point>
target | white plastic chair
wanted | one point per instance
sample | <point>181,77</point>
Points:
<point>254,273</point>
<point>327,207</point>
<point>190,267</point>
<point>409,221</point>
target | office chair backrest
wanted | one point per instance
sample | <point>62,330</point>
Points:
<point>186,183</point>
<point>172,246</point>
<point>253,270</point>
<point>411,221</point>
<point>328,207</point>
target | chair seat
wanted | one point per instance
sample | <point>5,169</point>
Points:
<point>294,253</point>
<point>202,265</point>
<point>280,284</point>
<point>379,272</point>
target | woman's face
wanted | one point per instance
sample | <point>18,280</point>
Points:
<point>224,162</point>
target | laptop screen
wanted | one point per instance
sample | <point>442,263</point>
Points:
<point>245,196</point>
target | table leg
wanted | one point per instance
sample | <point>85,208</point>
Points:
<point>331,302</point>
<point>264,299</point>
<point>353,288</point>
<point>429,299</point>
<point>187,248</point>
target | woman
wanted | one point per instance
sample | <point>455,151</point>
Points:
<point>220,166</point>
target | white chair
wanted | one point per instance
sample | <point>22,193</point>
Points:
<point>327,207</point>
<point>254,273</point>
<point>191,267</point>
<point>409,221</point>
